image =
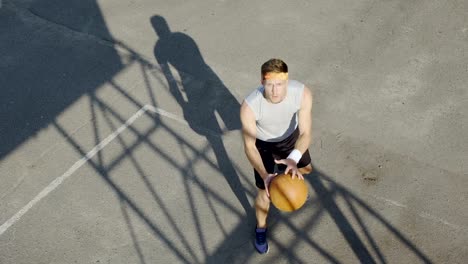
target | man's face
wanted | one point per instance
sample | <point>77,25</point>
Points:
<point>275,90</point>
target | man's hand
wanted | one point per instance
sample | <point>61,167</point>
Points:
<point>266,182</point>
<point>291,167</point>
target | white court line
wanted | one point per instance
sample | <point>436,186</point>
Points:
<point>55,183</point>
<point>421,214</point>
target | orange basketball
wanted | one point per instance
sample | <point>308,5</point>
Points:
<point>287,194</point>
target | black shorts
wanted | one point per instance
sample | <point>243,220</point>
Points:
<point>269,151</point>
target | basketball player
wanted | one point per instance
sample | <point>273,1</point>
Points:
<point>277,129</point>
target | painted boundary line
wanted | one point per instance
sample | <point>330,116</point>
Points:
<point>59,180</point>
<point>421,214</point>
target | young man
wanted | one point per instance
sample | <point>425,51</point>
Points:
<point>277,129</point>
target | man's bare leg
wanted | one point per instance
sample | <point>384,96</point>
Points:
<point>262,206</point>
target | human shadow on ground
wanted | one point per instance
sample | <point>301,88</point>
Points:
<point>236,247</point>
<point>203,97</point>
<point>201,94</point>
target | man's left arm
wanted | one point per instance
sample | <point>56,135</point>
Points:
<point>305,135</point>
<point>304,117</point>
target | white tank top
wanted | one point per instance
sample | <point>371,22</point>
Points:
<point>276,122</point>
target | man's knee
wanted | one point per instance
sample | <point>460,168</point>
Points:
<point>262,198</point>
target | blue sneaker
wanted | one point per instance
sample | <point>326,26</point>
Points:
<point>261,243</point>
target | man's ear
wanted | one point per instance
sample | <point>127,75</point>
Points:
<point>262,81</point>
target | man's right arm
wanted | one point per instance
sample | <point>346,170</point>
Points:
<point>249,134</point>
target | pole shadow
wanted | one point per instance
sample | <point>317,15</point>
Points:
<point>365,248</point>
<point>327,198</point>
<point>203,98</point>
<point>361,240</point>
<point>48,60</point>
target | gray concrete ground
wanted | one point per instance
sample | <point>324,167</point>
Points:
<point>120,142</point>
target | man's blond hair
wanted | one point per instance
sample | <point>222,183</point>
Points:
<point>274,65</point>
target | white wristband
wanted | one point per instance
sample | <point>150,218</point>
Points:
<point>295,155</point>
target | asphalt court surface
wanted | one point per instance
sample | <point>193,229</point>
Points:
<point>151,195</point>
<point>120,138</point>
<point>134,188</point>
